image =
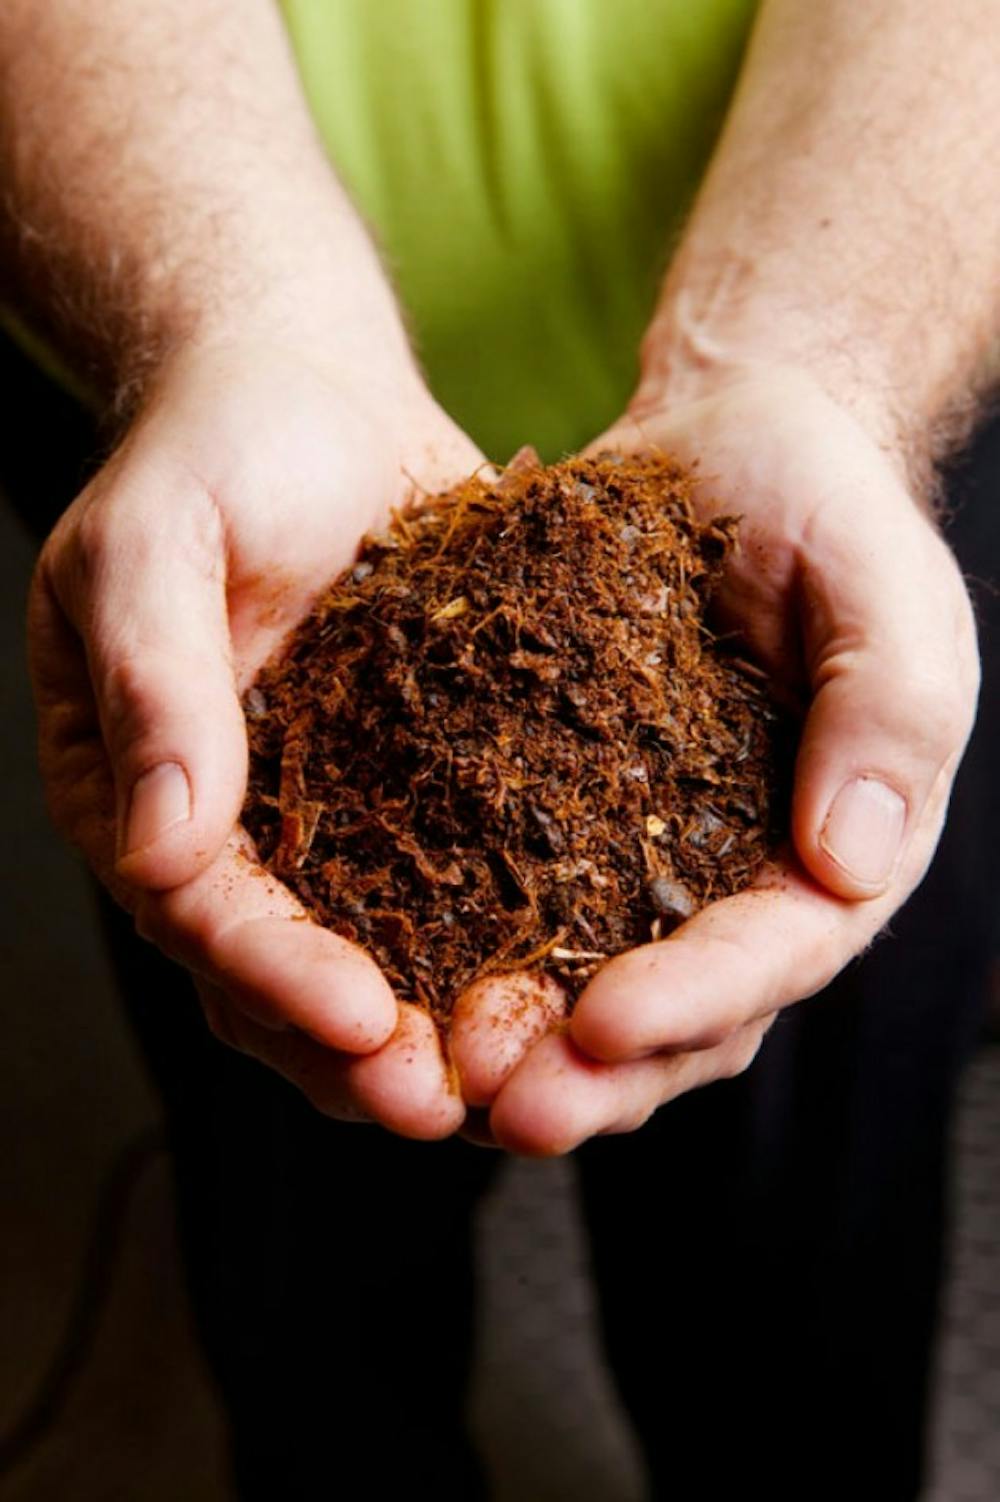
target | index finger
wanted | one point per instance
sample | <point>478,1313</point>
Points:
<point>738,960</point>
<point>405,1086</point>
<point>239,927</point>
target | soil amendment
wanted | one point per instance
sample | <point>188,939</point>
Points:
<point>506,738</point>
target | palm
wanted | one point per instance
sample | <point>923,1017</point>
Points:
<point>763,454</point>
<point>300,466</point>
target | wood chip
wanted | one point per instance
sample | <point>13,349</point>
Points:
<point>453,609</point>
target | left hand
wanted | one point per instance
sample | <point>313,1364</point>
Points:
<point>248,477</point>
<point>844,590</point>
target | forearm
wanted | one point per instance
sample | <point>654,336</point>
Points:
<point>163,183</point>
<point>850,221</point>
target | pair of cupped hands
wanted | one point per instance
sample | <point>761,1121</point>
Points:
<point>244,484</point>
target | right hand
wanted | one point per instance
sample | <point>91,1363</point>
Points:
<point>842,588</point>
<point>244,485</point>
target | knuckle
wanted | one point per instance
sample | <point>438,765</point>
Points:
<point>742,1051</point>
<point>124,519</point>
<point>937,709</point>
<point>186,934</point>
<point>88,544</point>
<point>90,536</point>
<point>918,696</point>
<point>715,1036</point>
<point>126,683</point>
<point>218,1023</point>
<point>939,680</point>
<point>61,559</point>
<point>47,563</point>
<point>132,697</point>
<point>629,1121</point>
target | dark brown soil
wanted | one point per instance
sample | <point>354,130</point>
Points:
<point>506,739</point>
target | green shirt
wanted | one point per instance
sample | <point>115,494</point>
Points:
<point>524,165</point>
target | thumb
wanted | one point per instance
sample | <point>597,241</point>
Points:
<point>891,644</point>
<point>152,615</point>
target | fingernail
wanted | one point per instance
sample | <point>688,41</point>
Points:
<point>160,799</point>
<point>864,830</point>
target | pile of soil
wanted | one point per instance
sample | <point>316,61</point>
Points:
<point>506,739</point>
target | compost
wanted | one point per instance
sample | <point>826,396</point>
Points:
<point>507,738</point>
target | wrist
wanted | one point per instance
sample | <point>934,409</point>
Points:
<point>362,347</point>
<point>219,367</point>
<point>299,275</point>
<point>705,337</point>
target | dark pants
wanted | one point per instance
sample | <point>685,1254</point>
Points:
<point>767,1250</point>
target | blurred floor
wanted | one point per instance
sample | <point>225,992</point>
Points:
<point>141,1425</point>
<point>967,1428</point>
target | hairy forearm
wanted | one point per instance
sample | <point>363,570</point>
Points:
<point>162,182</point>
<point>850,221</point>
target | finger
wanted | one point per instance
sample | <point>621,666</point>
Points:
<point>409,1085</point>
<point>891,642</point>
<point>240,928</point>
<point>557,1097</point>
<point>143,583</point>
<point>494,1023</point>
<point>736,961</point>
<point>405,1086</point>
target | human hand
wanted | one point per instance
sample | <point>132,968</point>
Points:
<point>244,484</point>
<point>843,589</point>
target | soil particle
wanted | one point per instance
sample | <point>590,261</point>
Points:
<point>506,739</point>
